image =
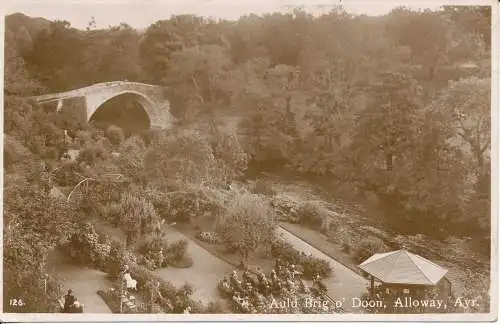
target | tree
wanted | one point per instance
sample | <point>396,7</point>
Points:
<point>467,105</point>
<point>32,228</point>
<point>112,54</point>
<point>201,80</point>
<point>115,135</point>
<point>24,41</point>
<point>426,33</point>
<point>17,80</point>
<point>138,216</point>
<point>473,19</point>
<point>385,130</point>
<point>181,158</point>
<point>166,37</point>
<point>268,100</point>
<point>248,225</point>
<point>56,58</point>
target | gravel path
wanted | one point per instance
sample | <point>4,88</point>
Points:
<point>84,282</point>
<point>344,283</point>
<point>203,275</point>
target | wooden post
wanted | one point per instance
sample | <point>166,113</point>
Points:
<point>121,291</point>
<point>122,272</point>
<point>372,286</point>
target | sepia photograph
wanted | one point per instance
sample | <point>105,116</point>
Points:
<point>210,159</point>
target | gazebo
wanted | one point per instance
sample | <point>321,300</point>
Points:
<point>404,271</point>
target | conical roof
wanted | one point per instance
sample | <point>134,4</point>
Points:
<point>403,267</point>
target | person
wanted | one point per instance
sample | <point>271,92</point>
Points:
<point>274,277</point>
<point>77,307</point>
<point>225,284</point>
<point>246,276</point>
<point>69,300</point>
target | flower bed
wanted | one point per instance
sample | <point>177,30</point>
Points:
<point>156,252</point>
<point>310,264</point>
<point>208,237</point>
<point>113,302</point>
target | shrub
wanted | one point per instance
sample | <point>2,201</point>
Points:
<point>208,237</point>
<point>91,154</point>
<point>369,246</point>
<point>310,264</point>
<point>311,213</point>
<point>111,213</point>
<point>153,243</point>
<point>157,253</point>
<point>67,175</point>
<point>248,225</point>
<point>286,208</point>
<point>346,245</point>
<point>153,252</point>
<point>283,250</point>
<point>115,135</point>
<point>115,258</point>
<point>177,250</point>
<point>331,225</point>
<point>14,151</point>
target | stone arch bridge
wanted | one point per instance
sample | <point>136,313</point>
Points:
<point>84,102</point>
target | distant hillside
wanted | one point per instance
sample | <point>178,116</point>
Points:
<point>16,21</point>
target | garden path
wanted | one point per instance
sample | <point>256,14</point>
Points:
<point>203,275</point>
<point>83,281</point>
<point>344,284</point>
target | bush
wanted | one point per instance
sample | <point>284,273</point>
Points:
<point>111,213</point>
<point>115,258</point>
<point>331,225</point>
<point>115,135</point>
<point>157,253</point>
<point>208,237</point>
<point>310,264</point>
<point>91,154</point>
<point>286,208</point>
<point>369,246</point>
<point>153,244</point>
<point>177,250</point>
<point>346,245</point>
<point>312,214</point>
<point>248,225</point>
<point>153,252</point>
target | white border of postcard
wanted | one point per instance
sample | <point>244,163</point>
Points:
<point>492,316</point>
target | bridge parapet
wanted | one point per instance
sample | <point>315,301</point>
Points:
<point>126,85</point>
<point>90,98</point>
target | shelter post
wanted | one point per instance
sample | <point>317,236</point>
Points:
<point>372,286</point>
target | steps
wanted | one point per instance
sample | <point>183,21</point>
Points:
<point>127,302</point>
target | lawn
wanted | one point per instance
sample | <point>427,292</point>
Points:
<point>321,242</point>
<point>218,250</point>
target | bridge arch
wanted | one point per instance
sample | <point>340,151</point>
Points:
<point>95,103</point>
